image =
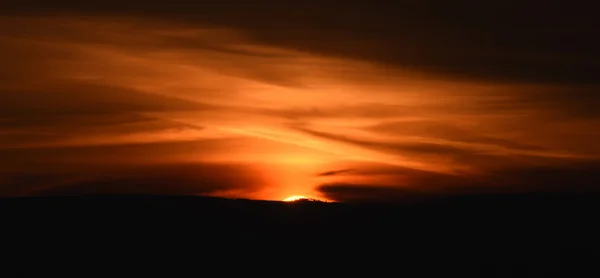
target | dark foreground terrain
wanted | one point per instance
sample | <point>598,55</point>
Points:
<point>483,236</point>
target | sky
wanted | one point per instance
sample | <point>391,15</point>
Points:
<point>269,99</point>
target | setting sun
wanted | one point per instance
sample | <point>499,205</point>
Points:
<point>294,198</point>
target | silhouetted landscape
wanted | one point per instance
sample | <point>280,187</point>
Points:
<point>521,235</point>
<point>404,138</point>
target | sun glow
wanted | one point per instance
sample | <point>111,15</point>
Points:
<point>294,198</point>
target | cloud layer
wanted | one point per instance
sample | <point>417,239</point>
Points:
<point>211,106</point>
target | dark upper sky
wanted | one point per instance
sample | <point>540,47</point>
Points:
<point>501,40</point>
<point>415,96</point>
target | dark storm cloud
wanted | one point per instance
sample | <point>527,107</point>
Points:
<point>60,113</point>
<point>333,173</point>
<point>62,120</point>
<point>176,179</point>
<point>56,158</point>
<point>78,99</point>
<point>576,177</point>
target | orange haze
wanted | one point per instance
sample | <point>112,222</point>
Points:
<point>84,98</point>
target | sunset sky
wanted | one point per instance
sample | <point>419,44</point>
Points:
<point>269,99</point>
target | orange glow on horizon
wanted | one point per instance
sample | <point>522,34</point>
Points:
<point>272,121</point>
<point>294,198</point>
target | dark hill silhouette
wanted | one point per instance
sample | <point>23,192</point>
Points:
<point>307,200</point>
<point>480,234</point>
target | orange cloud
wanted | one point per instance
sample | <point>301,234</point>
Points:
<point>292,113</point>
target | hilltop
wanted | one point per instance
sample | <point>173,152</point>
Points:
<point>480,230</point>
